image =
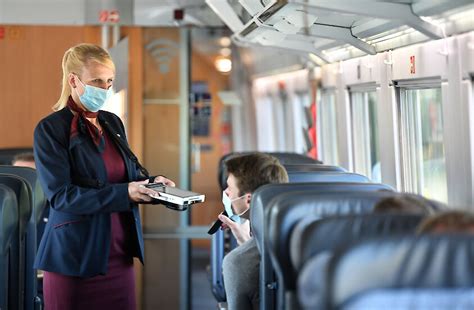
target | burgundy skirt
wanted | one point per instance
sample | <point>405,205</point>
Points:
<point>115,290</point>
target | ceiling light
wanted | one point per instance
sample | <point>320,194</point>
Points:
<point>223,64</point>
<point>316,59</point>
<point>225,41</point>
<point>225,51</point>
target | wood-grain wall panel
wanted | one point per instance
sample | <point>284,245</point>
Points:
<point>30,76</point>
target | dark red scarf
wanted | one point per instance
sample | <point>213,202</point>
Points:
<point>80,118</point>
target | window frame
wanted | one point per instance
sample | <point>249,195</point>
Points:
<point>322,130</point>
<point>411,160</point>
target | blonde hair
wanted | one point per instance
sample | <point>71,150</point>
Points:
<point>74,60</point>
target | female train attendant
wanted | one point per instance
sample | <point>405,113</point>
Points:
<point>93,185</point>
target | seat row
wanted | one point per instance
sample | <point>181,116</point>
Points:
<point>313,232</point>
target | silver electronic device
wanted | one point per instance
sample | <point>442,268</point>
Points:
<point>174,198</point>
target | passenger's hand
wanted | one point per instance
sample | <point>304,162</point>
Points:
<point>137,192</point>
<point>241,232</point>
<point>165,181</point>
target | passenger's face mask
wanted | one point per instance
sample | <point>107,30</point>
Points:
<point>94,98</point>
<point>228,207</point>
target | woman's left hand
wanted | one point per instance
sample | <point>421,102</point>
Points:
<point>165,181</point>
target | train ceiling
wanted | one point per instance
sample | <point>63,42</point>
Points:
<point>323,31</point>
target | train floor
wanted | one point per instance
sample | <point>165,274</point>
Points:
<point>201,295</point>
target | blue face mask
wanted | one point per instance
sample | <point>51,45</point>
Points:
<point>94,98</point>
<point>228,207</point>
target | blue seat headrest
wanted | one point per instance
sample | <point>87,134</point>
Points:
<point>325,176</point>
<point>312,236</point>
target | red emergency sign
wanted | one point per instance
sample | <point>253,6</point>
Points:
<point>412,65</point>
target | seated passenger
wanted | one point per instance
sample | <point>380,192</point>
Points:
<point>406,204</point>
<point>26,159</point>
<point>448,222</point>
<point>241,266</point>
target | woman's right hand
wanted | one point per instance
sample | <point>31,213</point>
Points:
<point>137,192</point>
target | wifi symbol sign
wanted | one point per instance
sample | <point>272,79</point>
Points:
<point>163,51</point>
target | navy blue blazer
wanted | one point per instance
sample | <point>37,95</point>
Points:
<point>76,239</point>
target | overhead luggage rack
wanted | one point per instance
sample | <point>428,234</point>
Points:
<point>319,27</point>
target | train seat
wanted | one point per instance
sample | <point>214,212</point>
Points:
<point>34,230</point>
<point>18,258</point>
<point>262,201</point>
<point>323,236</point>
<point>8,231</point>
<point>286,210</point>
<point>425,272</point>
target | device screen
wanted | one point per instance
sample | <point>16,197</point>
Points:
<point>160,188</point>
<point>179,192</point>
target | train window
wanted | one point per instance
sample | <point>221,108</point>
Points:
<point>328,128</point>
<point>422,147</point>
<point>365,135</point>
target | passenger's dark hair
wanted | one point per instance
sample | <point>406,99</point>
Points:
<point>408,203</point>
<point>26,156</point>
<point>456,221</point>
<point>254,170</point>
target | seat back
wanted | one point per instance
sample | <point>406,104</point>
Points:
<point>313,167</point>
<point>315,235</point>
<point>405,272</point>
<point>323,236</point>
<point>8,232</point>
<point>39,203</point>
<point>262,200</point>
<point>306,176</point>
<point>286,210</point>
<point>23,194</point>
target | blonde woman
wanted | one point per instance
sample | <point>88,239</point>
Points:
<point>93,186</point>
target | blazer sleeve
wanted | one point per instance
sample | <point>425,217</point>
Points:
<point>51,146</point>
